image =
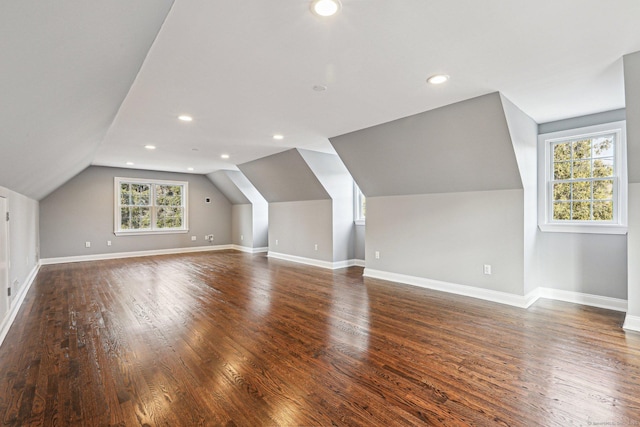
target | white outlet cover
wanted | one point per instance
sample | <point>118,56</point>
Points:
<point>193,238</point>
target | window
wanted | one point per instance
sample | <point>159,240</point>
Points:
<point>583,180</point>
<point>146,206</point>
<point>360,205</point>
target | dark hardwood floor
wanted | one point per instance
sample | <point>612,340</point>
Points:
<point>229,339</point>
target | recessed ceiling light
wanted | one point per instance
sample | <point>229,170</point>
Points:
<point>189,169</point>
<point>185,118</point>
<point>325,7</point>
<point>278,136</point>
<point>224,156</point>
<point>319,88</point>
<point>438,79</point>
<point>150,147</point>
<point>130,163</point>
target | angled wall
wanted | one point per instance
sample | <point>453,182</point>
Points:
<point>249,212</point>
<point>307,194</point>
<point>632,95</point>
<point>444,195</point>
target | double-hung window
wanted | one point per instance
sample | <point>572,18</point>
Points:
<point>582,185</point>
<point>150,206</point>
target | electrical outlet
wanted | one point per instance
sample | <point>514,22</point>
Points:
<point>87,244</point>
<point>487,269</point>
<point>242,237</point>
<point>315,247</point>
<point>193,238</point>
<point>377,254</point>
<point>108,242</point>
<point>276,242</point>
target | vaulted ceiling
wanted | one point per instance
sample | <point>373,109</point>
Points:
<point>93,83</point>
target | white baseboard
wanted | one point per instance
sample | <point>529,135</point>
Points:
<point>632,323</point>
<point>249,250</point>
<point>584,299</point>
<point>17,303</point>
<point>117,255</point>
<point>453,288</point>
<point>314,262</point>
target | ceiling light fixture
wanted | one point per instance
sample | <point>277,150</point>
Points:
<point>278,136</point>
<point>150,147</point>
<point>438,79</point>
<point>224,156</point>
<point>189,169</point>
<point>325,7</point>
<point>185,118</point>
<point>130,163</point>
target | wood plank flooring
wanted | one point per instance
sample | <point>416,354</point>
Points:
<point>232,339</point>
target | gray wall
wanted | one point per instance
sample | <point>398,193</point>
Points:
<point>632,95</point>
<point>242,225</point>
<point>585,263</point>
<point>460,147</point>
<point>335,178</point>
<point>449,237</point>
<point>23,238</point>
<point>360,242</point>
<point>298,226</point>
<point>82,210</point>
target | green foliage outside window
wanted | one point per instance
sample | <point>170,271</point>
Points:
<point>140,202</point>
<point>583,172</point>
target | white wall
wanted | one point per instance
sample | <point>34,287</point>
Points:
<point>449,237</point>
<point>23,239</point>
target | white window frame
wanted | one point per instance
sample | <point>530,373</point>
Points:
<point>153,230</point>
<point>359,217</point>
<point>545,176</point>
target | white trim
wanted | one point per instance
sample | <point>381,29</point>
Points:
<point>453,288</point>
<point>249,250</point>
<point>359,262</point>
<point>584,299</point>
<point>117,255</point>
<point>17,303</point>
<point>619,223</point>
<point>631,323</point>
<point>314,262</point>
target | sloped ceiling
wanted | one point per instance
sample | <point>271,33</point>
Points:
<point>284,177</point>
<point>461,147</point>
<point>66,66</point>
<point>91,83</point>
<point>222,180</point>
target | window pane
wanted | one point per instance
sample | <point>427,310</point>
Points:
<point>603,189</point>
<point>562,191</point>
<point>562,152</point>
<point>603,146</point>
<point>582,149</point>
<point>169,195</point>
<point>562,170</point>
<point>125,194</point>
<point>603,167</point>
<point>582,169</point>
<point>125,218</point>
<point>561,211</point>
<point>581,211</point>
<point>581,191</point>
<point>140,218</point>
<point>603,211</point>
<point>169,217</point>
<point>140,194</point>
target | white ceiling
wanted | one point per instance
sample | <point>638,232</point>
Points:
<point>245,70</point>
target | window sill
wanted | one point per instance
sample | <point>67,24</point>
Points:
<point>359,221</point>
<point>584,228</point>
<point>148,232</point>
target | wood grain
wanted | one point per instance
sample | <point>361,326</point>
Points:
<point>231,339</point>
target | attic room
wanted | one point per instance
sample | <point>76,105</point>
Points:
<point>320,212</point>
